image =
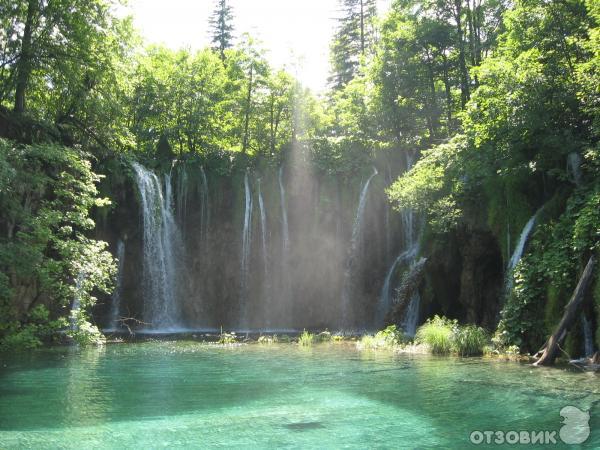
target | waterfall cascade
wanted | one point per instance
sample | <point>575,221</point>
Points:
<point>385,299</point>
<point>411,249</point>
<point>162,250</point>
<point>519,249</point>
<point>411,316</point>
<point>182,194</point>
<point>246,248</point>
<point>263,230</point>
<point>588,336</point>
<point>354,245</point>
<point>76,304</point>
<point>265,254</point>
<point>115,310</point>
<point>574,168</point>
<point>273,282</point>
<point>284,215</point>
<point>523,238</point>
<point>205,205</point>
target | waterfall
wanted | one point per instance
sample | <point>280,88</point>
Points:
<point>161,249</point>
<point>284,216</point>
<point>76,304</point>
<point>523,238</point>
<point>182,194</point>
<point>265,257</point>
<point>354,243</point>
<point>385,298</point>
<point>588,336</point>
<point>519,249</point>
<point>115,310</point>
<point>263,230</point>
<point>574,168</point>
<point>246,247</point>
<point>411,316</point>
<point>205,205</point>
<point>411,249</point>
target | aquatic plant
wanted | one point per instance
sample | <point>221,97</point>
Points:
<point>306,339</point>
<point>437,333</point>
<point>386,338</point>
<point>469,340</point>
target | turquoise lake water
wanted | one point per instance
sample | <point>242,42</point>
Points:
<point>190,395</point>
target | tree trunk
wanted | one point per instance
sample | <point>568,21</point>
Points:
<point>549,351</point>
<point>25,63</point>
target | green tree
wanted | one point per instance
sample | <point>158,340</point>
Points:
<point>354,39</point>
<point>222,27</point>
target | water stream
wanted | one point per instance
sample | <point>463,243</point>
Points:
<point>162,250</point>
<point>115,310</point>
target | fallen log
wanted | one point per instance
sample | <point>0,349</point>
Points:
<point>549,351</point>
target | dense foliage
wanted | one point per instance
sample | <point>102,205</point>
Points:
<point>47,262</point>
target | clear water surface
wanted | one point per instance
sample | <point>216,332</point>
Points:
<point>190,395</point>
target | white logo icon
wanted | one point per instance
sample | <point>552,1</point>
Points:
<point>576,427</point>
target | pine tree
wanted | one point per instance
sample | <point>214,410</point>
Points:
<point>221,27</point>
<point>354,39</point>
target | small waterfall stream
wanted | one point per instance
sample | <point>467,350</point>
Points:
<point>115,311</point>
<point>385,299</point>
<point>574,162</point>
<point>204,205</point>
<point>354,244</point>
<point>182,193</point>
<point>246,249</point>
<point>76,304</point>
<point>161,251</point>
<point>284,216</point>
<point>263,230</point>
<point>411,316</point>
<point>519,249</point>
<point>523,238</point>
<point>411,249</point>
<point>588,336</point>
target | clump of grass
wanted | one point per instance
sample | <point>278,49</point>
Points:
<point>437,334</point>
<point>444,336</point>
<point>306,339</point>
<point>386,338</point>
<point>470,340</point>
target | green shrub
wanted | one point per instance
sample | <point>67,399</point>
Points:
<point>46,194</point>
<point>386,338</point>
<point>306,339</point>
<point>437,333</point>
<point>469,340</point>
